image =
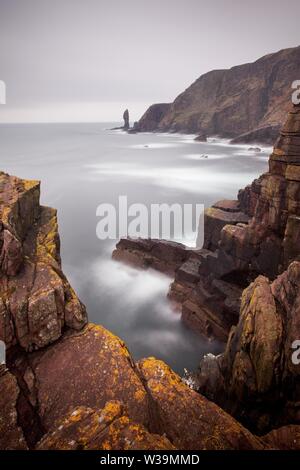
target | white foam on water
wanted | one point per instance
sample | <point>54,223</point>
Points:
<point>206,156</point>
<point>154,146</point>
<point>134,288</point>
<point>192,180</point>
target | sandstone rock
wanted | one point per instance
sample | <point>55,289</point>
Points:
<point>19,208</point>
<point>162,255</point>
<point>106,429</point>
<point>189,420</point>
<point>87,368</point>
<point>11,435</point>
<point>257,380</point>
<point>284,438</point>
<point>36,300</point>
<point>215,219</point>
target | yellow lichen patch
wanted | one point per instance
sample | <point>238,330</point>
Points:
<point>139,395</point>
<point>29,184</point>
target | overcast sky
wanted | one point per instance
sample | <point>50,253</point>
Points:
<point>87,60</point>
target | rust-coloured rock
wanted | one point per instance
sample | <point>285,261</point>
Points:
<point>87,368</point>
<point>11,435</point>
<point>189,420</point>
<point>106,429</point>
<point>36,300</point>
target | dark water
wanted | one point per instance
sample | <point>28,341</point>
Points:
<point>83,165</point>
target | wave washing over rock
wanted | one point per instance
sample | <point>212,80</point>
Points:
<point>69,384</point>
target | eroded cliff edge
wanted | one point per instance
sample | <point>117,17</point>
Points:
<point>243,288</point>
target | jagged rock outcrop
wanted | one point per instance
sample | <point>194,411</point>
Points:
<point>248,100</point>
<point>256,379</point>
<point>36,300</point>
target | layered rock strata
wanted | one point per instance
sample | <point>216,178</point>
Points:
<point>36,301</point>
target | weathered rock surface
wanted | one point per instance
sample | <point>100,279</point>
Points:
<point>255,379</point>
<point>285,438</point>
<point>18,210</point>
<point>249,100</point>
<point>36,300</point>
<point>11,435</point>
<point>189,420</point>
<point>86,368</point>
<point>150,253</point>
<point>106,429</point>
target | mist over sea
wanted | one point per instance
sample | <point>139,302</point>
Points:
<point>83,165</point>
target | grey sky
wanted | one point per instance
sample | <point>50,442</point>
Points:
<point>89,59</point>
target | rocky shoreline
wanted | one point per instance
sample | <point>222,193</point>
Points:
<point>70,384</point>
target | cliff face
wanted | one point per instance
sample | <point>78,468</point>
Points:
<point>36,300</point>
<point>252,243</point>
<point>249,100</point>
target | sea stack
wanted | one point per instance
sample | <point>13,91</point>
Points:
<point>126,120</point>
